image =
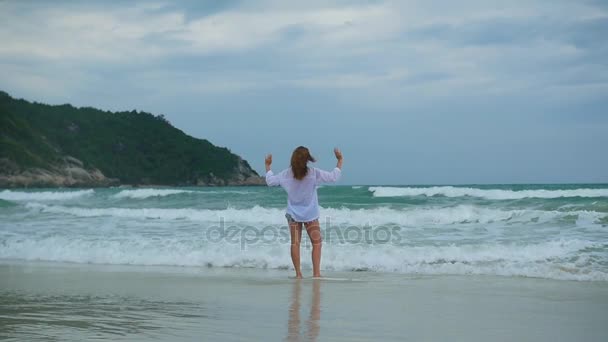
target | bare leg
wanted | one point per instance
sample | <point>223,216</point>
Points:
<point>296,236</point>
<point>314,232</point>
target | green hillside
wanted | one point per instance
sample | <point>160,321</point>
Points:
<point>133,147</point>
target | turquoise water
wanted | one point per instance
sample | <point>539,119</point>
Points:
<point>546,231</point>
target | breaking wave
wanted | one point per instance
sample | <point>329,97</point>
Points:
<point>557,259</point>
<point>492,194</point>
<point>146,193</point>
<point>376,216</point>
<point>9,195</point>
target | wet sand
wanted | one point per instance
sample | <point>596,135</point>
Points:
<point>46,301</point>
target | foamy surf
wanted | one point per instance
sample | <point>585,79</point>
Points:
<point>555,259</point>
<point>492,194</point>
<point>147,193</point>
<point>10,195</point>
<point>462,214</point>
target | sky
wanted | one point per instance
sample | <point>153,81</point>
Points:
<point>413,92</point>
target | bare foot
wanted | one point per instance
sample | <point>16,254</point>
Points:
<point>299,276</point>
<point>317,276</point>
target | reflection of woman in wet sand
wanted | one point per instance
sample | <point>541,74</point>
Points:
<point>293,325</point>
<point>301,183</point>
<point>315,311</point>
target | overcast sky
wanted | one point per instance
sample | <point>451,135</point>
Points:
<point>414,92</point>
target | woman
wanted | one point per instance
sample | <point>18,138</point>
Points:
<point>301,182</point>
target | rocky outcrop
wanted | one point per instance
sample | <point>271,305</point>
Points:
<point>243,174</point>
<point>72,173</point>
<point>69,173</point>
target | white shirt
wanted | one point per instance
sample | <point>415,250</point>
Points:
<point>302,201</point>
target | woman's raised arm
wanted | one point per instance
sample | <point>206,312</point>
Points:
<point>333,175</point>
<point>271,178</point>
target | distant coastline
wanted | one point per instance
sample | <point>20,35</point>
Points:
<point>64,146</point>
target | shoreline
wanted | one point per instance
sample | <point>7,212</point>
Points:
<point>287,273</point>
<point>132,186</point>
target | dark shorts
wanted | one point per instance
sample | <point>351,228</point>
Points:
<point>290,219</point>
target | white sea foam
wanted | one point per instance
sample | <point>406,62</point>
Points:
<point>493,194</point>
<point>146,193</point>
<point>557,259</point>
<point>344,216</point>
<point>253,215</point>
<point>9,195</point>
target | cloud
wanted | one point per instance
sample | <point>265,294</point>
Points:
<point>381,64</point>
<point>118,34</point>
<point>85,35</point>
<point>388,47</point>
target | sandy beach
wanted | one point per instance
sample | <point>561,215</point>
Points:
<point>47,301</point>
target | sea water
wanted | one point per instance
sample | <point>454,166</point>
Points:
<point>541,231</point>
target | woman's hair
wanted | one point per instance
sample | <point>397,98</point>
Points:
<point>300,157</point>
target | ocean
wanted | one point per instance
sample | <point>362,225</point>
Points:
<point>431,263</point>
<point>541,231</point>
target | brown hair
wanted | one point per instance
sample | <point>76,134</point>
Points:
<point>300,157</point>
